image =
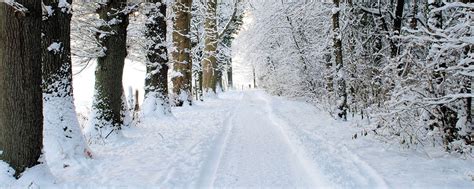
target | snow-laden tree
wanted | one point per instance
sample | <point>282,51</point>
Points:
<point>227,17</point>
<point>181,53</point>
<point>209,60</point>
<point>339,76</point>
<point>281,38</point>
<point>431,100</point>
<point>222,20</point>
<point>108,106</point>
<point>197,45</point>
<point>156,100</point>
<point>406,64</point>
<point>63,138</point>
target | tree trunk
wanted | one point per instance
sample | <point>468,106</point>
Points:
<point>229,75</point>
<point>182,82</point>
<point>209,61</point>
<point>218,79</point>
<point>397,25</point>
<point>254,77</point>
<point>156,81</point>
<point>413,21</point>
<point>60,121</point>
<point>21,115</point>
<point>107,105</point>
<point>340,84</point>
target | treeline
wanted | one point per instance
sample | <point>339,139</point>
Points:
<point>404,66</point>
<point>39,40</point>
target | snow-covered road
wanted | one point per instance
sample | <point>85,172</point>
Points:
<point>256,152</point>
<point>249,139</point>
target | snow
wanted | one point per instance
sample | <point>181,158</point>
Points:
<point>55,47</point>
<point>49,10</point>
<point>175,74</point>
<point>114,21</point>
<point>17,6</point>
<point>63,141</point>
<point>153,106</point>
<point>64,6</point>
<point>134,77</point>
<point>335,10</point>
<point>250,139</point>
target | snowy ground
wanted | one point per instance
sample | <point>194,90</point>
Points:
<point>250,139</point>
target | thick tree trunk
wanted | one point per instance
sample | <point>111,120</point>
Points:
<point>107,105</point>
<point>60,121</point>
<point>340,84</point>
<point>156,81</point>
<point>209,61</point>
<point>182,82</point>
<point>21,115</point>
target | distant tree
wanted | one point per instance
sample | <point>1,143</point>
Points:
<point>226,36</point>
<point>182,63</point>
<point>21,115</point>
<point>60,122</point>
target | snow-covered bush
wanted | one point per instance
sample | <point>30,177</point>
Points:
<point>414,85</point>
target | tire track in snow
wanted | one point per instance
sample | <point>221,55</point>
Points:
<point>208,173</point>
<point>341,166</point>
<point>258,154</point>
<point>314,175</point>
<point>200,137</point>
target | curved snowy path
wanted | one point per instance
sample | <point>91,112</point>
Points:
<point>253,140</point>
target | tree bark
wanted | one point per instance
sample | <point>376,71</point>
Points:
<point>107,102</point>
<point>414,11</point>
<point>209,62</point>
<point>397,25</point>
<point>57,85</point>
<point>229,75</point>
<point>340,84</point>
<point>156,81</point>
<point>182,83</point>
<point>254,77</point>
<point>21,116</point>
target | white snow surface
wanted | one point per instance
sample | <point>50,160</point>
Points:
<point>63,140</point>
<point>249,139</point>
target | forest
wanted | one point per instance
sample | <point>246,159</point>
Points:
<point>236,93</point>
